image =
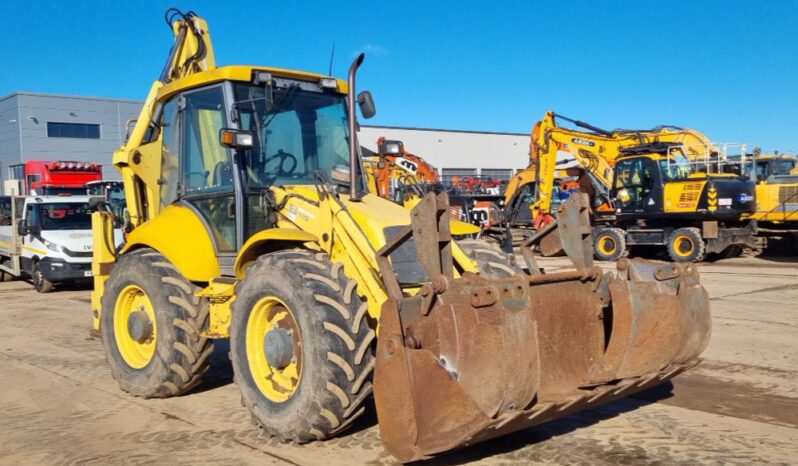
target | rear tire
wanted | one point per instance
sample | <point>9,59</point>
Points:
<point>686,245</point>
<point>609,244</point>
<point>314,384</point>
<point>176,357</point>
<point>491,260</point>
<point>41,284</point>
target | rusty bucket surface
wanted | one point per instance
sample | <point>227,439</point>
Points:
<point>470,358</point>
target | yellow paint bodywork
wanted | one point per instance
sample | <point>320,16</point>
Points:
<point>220,296</point>
<point>251,249</point>
<point>776,202</point>
<point>518,181</point>
<point>104,256</point>
<point>179,234</point>
<point>683,196</point>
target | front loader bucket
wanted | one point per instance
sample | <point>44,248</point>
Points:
<point>470,358</point>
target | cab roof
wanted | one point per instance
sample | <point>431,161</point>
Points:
<point>243,73</point>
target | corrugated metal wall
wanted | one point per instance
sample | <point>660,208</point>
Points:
<point>446,149</point>
<point>9,135</point>
<point>36,110</point>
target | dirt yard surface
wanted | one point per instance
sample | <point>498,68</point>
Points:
<point>59,404</point>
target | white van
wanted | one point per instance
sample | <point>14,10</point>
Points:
<point>47,238</point>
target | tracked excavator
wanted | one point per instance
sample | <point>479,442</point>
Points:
<point>666,187</point>
<point>248,220</point>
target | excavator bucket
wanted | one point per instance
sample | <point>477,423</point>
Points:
<point>468,359</point>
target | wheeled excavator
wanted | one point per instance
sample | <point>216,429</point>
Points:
<point>661,187</point>
<point>248,220</point>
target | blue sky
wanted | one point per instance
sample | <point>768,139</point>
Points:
<point>726,68</point>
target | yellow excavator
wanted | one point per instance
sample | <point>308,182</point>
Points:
<point>661,187</point>
<point>248,220</point>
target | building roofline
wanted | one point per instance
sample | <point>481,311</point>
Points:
<point>69,96</point>
<point>412,128</point>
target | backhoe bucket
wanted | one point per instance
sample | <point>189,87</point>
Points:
<point>470,358</point>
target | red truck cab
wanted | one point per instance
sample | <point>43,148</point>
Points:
<point>42,177</point>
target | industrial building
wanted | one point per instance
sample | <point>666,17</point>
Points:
<point>452,152</point>
<point>35,126</point>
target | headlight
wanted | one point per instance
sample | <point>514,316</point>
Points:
<point>53,247</point>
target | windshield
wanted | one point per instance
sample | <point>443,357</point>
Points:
<point>302,132</point>
<point>64,216</point>
<point>777,167</point>
<point>53,191</point>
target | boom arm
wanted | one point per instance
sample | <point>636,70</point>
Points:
<point>192,52</point>
<point>596,151</point>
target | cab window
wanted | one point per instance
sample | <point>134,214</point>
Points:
<point>206,164</point>
<point>636,177</point>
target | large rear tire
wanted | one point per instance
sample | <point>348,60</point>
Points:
<point>150,326</point>
<point>301,346</point>
<point>491,260</point>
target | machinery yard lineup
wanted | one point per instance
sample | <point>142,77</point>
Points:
<point>352,294</point>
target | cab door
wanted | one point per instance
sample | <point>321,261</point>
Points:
<point>206,168</point>
<point>638,186</point>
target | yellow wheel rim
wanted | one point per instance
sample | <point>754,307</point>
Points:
<point>137,346</point>
<point>683,246</point>
<point>607,245</point>
<point>276,383</point>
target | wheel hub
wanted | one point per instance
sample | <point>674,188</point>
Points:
<point>139,326</point>
<point>279,348</point>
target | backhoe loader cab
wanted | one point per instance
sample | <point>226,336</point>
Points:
<point>248,221</point>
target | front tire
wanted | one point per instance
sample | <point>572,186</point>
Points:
<point>301,346</point>
<point>150,327</point>
<point>686,245</point>
<point>491,260</point>
<point>41,284</point>
<point>609,244</point>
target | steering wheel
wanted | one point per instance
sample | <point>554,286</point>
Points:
<point>283,156</point>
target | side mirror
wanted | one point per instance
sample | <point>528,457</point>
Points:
<point>22,229</point>
<point>366,104</point>
<point>96,203</point>
<point>236,138</point>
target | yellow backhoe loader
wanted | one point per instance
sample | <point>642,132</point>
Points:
<point>249,221</point>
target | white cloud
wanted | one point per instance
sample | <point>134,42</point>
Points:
<point>373,50</point>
